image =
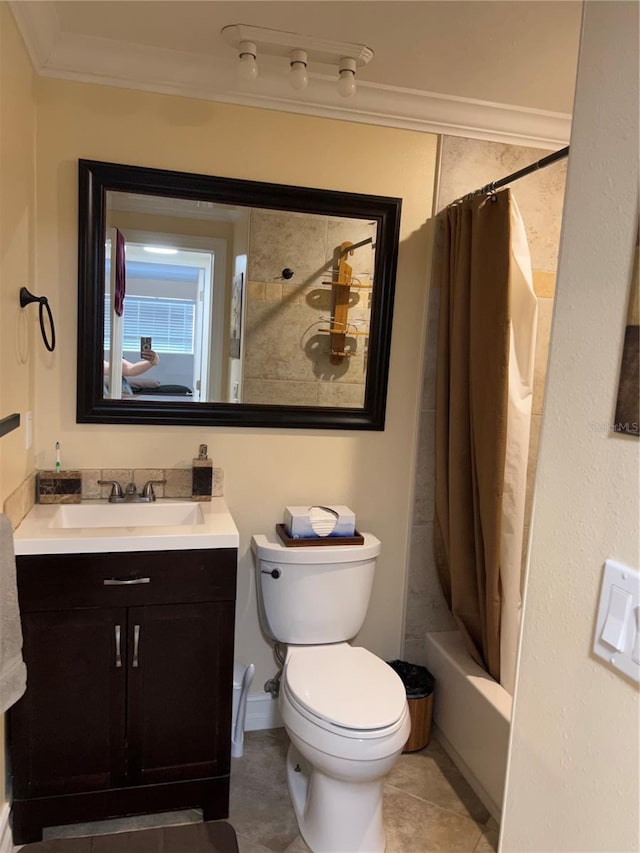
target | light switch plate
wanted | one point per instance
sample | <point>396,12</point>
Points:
<point>618,623</point>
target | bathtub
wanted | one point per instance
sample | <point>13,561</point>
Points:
<point>472,715</point>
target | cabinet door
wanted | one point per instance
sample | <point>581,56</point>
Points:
<point>179,696</point>
<point>68,730</point>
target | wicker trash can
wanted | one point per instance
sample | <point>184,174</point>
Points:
<point>419,685</point>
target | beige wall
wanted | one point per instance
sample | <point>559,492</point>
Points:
<point>17,331</point>
<point>573,775</point>
<point>264,469</point>
<point>18,342</point>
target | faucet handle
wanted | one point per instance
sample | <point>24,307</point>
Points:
<point>147,489</point>
<point>116,489</point>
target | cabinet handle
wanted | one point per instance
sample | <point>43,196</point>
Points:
<point>125,581</point>
<point>118,654</point>
<point>136,643</point>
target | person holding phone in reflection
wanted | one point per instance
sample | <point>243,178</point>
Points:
<point>148,359</point>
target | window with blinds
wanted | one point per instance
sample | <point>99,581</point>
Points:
<point>169,322</point>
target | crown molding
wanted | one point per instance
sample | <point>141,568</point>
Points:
<point>425,112</point>
<point>107,62</point>
<point>39,27</point>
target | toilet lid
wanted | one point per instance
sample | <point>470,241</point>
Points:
<point>346,685</point>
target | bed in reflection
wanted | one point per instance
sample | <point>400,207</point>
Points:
<point>153,389</point>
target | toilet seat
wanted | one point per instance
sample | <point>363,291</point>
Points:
<point>345,689</point>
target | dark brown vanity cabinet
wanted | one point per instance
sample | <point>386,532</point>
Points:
<point>129,686</point>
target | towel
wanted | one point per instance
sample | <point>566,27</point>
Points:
<point>13,672</point>
<point>121,275</point>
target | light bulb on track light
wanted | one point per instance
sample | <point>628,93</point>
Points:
<point>298,76</point>
<point>347,77</point>
<point>248,67</point>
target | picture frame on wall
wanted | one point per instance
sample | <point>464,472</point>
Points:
<point>627,417</point>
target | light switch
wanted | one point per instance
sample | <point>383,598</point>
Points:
<point>617,633</point>
<point>615,625</point>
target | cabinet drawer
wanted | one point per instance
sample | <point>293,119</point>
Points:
<point>56,581</point>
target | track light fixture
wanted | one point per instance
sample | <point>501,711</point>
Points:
<point>300,51</point>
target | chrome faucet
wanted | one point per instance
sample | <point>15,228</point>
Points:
<point>116,496</point>
<point>131,494</point>
<point>147,490</point>
<point>147,495</point>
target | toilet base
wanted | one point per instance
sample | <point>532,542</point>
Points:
<point>335,815</point>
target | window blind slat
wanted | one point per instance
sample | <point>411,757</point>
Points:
<point>169,322</point>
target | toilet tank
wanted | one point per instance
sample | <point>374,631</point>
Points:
<point>310,595</point>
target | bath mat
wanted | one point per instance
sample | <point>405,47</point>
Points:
<point>214,837</point>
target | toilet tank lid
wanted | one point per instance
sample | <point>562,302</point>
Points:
<point>269,548</point>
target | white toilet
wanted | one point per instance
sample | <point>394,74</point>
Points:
<point>344,709</point>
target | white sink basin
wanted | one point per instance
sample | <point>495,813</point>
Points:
<point>98,526</point>
<point>156,514</point>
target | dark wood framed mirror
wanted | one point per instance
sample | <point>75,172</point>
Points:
<point>266,305</point>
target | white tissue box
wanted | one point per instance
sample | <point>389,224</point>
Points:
<point>299,521</point>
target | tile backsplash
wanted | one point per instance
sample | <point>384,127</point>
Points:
<point>178,485</point>
<point>178,481</point>
<point>20,501</point>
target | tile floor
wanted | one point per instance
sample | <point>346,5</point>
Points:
<point>428,805</point>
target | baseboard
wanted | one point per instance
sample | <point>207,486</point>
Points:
<point>6,840</point>
<point>262,713</point>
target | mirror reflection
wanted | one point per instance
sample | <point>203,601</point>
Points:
<point>206,300</point>
<point>220,303</point>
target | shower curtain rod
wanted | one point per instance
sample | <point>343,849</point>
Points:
<point>515,176</point>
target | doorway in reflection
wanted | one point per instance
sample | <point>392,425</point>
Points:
<point>170,299</point>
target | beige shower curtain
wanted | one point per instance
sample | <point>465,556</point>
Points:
<point>523,313</point>
<point>471,416</point>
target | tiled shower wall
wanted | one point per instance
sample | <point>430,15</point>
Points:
<point>287,356</point>
<point>467,164</point>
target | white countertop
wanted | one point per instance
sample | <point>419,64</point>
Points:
<point>37,534</point>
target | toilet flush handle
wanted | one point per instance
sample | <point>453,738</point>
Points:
<point>275,573</point>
